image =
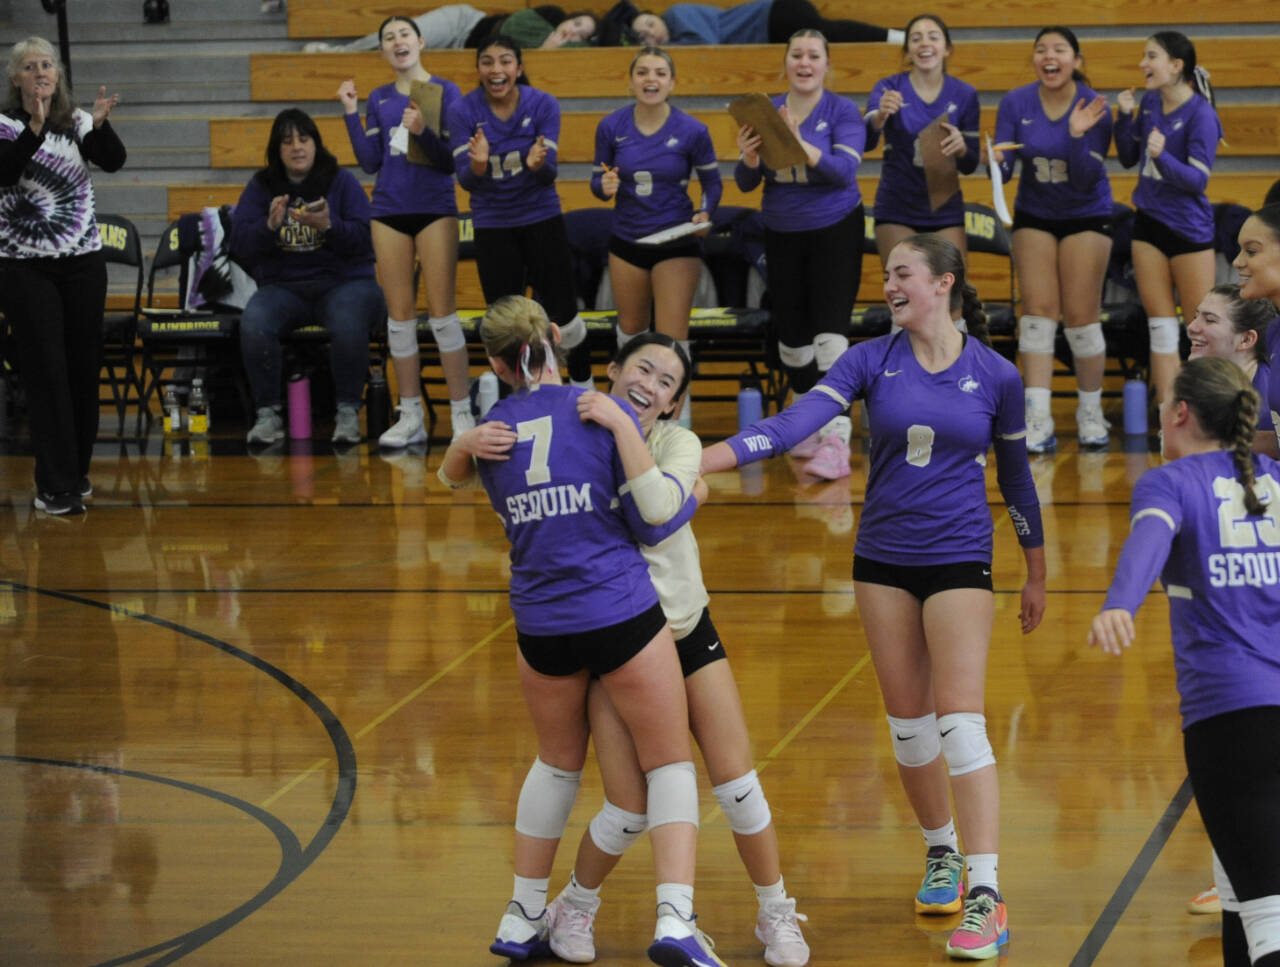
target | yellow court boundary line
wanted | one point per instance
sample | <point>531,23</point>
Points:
<point>799,727</point>
<point>392,710</point>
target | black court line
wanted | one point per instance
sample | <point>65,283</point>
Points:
<point>1132,880</point>
<point>293,861</point>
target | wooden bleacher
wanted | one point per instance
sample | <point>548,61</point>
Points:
<point>324,19</point>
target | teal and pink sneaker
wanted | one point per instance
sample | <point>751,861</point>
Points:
<point>983,930</point>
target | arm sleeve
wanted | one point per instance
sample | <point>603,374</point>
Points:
<point>548,127</point>
<point>969,125</point>
<point>661,491</point>
<point>704,163</point>
<point>1141,559</point>
<point>1192,175</point>
<point>366,142</point>
<point>830,398</point>
<point>1086,163</point>
<point>16,154</point>
<point>848,136</point>
<point>1128,134</point>
<point>1006,134</point>
<point>1013,470</point>
<point>603,156</point>
<point>652,534</point>
<point>746,177</point>
<point>103,147</point>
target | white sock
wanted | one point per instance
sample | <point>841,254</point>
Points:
<point>457,406</point>
<point>1090,399</point>
<point>1037,399</point>
<point>982,870</point>
<point>531,894</point>
<point>408,403</point>
<point>679,897</point>
<point>767,894</point>
<point>580,896</point>
<point>942,836</point>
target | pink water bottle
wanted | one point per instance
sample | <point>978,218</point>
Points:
<point>299,407</point>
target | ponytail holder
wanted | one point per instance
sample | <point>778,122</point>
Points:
<point>1202,74</point>
<point>524,363</point>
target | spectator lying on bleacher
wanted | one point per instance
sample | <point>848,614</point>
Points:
<point>754,22</point>
<point>302,226</point>
<point>460,25</point>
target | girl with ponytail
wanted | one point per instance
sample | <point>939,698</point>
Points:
<point>938,400</point>
<point>1208,523</point>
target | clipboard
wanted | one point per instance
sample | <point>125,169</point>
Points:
<point>674,232</point>
<point>428,97</point>
<point>779,148</point>
<point>939,170</point>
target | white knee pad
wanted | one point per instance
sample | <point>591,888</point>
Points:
<point>1261,920</point>
<point>795,357</point>
<point>827,348</point>
<point>1086,341</point>
<point>1164,334</point>
<point>742,801</point>
<point>546,799</point>
<point>1226,892</point>
<point>673,794</point>
<point>1036,334</point>
<point>964,742</point>
<point>573,332</point>
<point>614,829</point>
<point>402,337</point>
<point>448,333</point>
<point>915,741</point>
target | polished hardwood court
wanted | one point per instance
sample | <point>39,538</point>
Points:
<point>262,709</point>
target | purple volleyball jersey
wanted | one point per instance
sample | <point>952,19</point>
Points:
<point>930,432</point>
<point>404,186</point>
<point>1271,398</point>
<point>803,197</point>
<point>574,564</point>
<point>508,194</point>
<point>654,169</point>
<point>902,196</point>
<point>1171,187</point>
<point>1262,383</point>
<point>1221,571</point>
<point>1062,177</point>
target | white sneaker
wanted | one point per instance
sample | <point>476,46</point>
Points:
<point>1092,428</point>
<point>346,425</point>
<point>1040,438</point>
<point>268,428</point>
<point>408,428</point>
<point>777,927</point>
<point>572,930</point>
<point>678,942</point>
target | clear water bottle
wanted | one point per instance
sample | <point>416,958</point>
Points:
<point>750,405</point>
<point>198,409</point>
<point>487,393</point>
<point>172,412</point>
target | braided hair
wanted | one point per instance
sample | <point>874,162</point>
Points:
<point>943,257</point>
<point>1226,406</point>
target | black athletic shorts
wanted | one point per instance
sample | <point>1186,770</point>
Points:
<point>600,650</point>
<point>647,256</point>
<point>924,582</point>
<point>410,223</point>
<point>701,646</point>
<point>1061,228</point>
<point>1170,243</point>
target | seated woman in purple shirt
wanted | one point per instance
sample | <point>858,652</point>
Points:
<point>1208,523</point>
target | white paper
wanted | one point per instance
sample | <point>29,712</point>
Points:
<point>997,187</point>
<point>672,233</point>
<point>399,139</point>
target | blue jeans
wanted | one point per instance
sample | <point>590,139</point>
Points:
<point>349,311</point>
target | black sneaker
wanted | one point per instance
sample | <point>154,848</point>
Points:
<point>86,488</point>
<point>59,504</point>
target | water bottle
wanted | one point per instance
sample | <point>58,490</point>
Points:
<point>487,393</point>
<point>198,420</point>
<point>1135,407</point>
<point>172,412</point>
<point>377,403</point>
<point>299,407</point>
<point>750,405</point>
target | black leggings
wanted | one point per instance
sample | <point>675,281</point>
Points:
<point>788,16</point>
<point>55,308</point>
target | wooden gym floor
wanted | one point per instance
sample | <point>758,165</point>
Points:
<point>263,710</point>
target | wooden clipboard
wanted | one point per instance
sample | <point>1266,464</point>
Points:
<point>939,170</point>
<point>427,96</point>
<point>779,148</point>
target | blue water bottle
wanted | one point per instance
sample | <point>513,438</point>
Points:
<point>1135,407</point>
<point>750,405</point>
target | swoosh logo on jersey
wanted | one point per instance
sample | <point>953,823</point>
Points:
<point>1026,121</point>
<point>713,647</point>
<point>894,373</point>
<point>619,138</point>
<point>526,122</point>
